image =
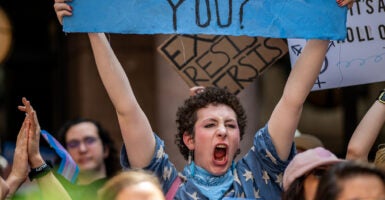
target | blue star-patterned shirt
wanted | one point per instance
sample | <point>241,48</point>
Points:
<point>257,175</point>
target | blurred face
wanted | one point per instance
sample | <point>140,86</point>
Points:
<point>85,147</point>
<point>362,187</point>
<point>216,138</point>
<point>140,191</point>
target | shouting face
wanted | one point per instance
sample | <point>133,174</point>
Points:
<point>216,138</point>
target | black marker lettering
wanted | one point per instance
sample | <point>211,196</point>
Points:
<point>241,13</point>
<point>197,13</point>
<point>174,8</point>
<point>229,16</point>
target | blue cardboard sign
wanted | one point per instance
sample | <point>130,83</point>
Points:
<point>322,19</point>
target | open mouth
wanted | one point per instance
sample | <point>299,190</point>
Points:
<point>220,152</point>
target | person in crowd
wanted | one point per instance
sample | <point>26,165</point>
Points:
<point>19,169</point>
<point>352,180</point>
<point>358,148</point>
<point>27,155</point>
<point>95,154</point>
<point>367,131</point>
<point>301,177</point>
<point>93,150</point>
<point>132,185</point>
<point>210,127</point>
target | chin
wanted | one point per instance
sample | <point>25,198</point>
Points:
<point>219,171</point>
<point>86,168</point>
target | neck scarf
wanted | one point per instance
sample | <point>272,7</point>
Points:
<point>213,187</point>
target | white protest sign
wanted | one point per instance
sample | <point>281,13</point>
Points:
<point>360,58</point>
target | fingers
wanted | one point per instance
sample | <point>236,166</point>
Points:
<point>27,105</point>
<point>196,90</point>
<point>35,123</point>
<point>31,114</point>
<point>348,3</point>
<point>62,9</point>
<point>22,138</point>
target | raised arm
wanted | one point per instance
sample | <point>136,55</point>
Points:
<point>285,117</point>
<point>49,186</point>
<point>366,132</point>
<point>135,127</point>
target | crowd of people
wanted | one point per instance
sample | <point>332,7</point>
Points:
<point>210,127</point>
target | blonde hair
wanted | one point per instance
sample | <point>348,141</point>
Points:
<point>379,159</point>
<point>125,179</point>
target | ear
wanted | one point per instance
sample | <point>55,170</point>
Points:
<point>106,151</point>
<point>188,140</point>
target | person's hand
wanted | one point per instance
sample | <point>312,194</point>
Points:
<point>62,9</point>
<point>4,188</point>
<point>19,170</point>
<point>196,90</point>
<point>348,3</point>
<point>34,156</point>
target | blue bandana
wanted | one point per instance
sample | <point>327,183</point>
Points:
<point>213,187</point>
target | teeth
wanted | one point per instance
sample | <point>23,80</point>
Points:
<point>221,146</point>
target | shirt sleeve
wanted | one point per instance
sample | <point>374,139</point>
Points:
<point>160,164</point>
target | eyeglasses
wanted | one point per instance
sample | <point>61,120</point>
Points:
<point>73,144</point>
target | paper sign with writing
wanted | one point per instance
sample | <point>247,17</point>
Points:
<point>360,59</point>
<point>231,62</point>
<point>267,18</point>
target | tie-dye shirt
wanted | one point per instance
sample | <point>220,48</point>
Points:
<point>257,175</point>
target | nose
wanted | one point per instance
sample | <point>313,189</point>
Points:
<point>222,131</point>
<point>82,147</point>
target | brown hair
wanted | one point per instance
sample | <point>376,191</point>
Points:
<point>125,179</point>
<point>330,185</point>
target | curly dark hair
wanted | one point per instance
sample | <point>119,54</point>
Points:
<point>187,113</point>
<point>112,160</point>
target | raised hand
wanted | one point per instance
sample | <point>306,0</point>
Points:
<point>19,171</point>
<point>196,90</point>
<point>34,156</point>
<point>348,3</point>
<point>62,9</point>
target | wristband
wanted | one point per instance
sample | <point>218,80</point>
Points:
<point>39,171</point>
<point>381,96</point>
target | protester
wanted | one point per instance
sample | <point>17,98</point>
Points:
<point>210,126</point>
<point>367,130</point>
<point>352,180</point>
<point>301,176</point>
<point>91,147</point>
<point>94,152</point>
<point>27,154</point>
<point>132,185</point>
<point>359,147</point>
